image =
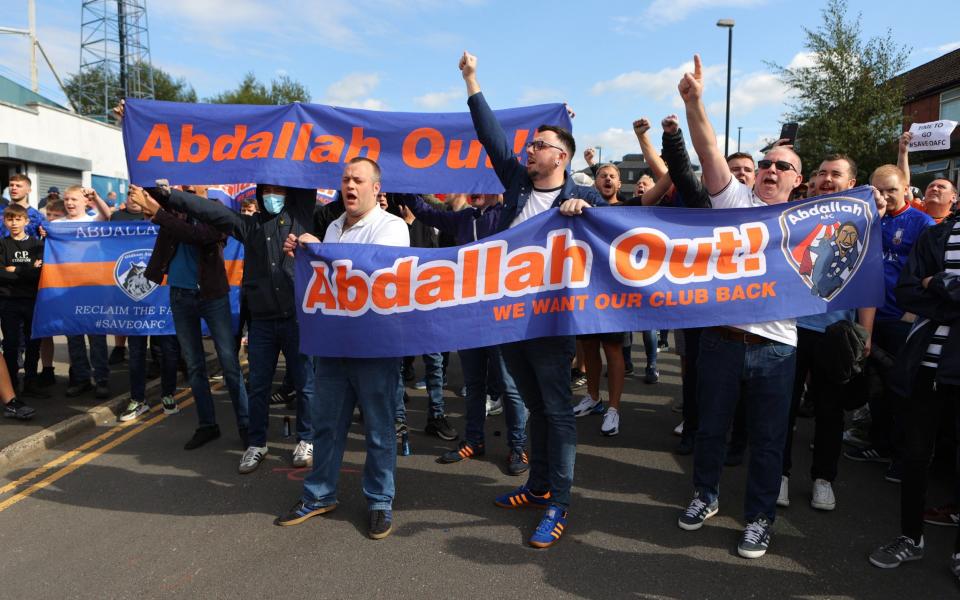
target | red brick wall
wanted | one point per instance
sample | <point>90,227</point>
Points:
<point>922,110</point>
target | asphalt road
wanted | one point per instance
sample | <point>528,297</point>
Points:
<point>131,514</point>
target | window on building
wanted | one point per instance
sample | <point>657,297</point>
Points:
<point>950,104</point>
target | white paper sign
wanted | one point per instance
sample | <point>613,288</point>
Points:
<point>931,136</point>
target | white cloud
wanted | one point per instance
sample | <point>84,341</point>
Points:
<point>353,91</point>
<point>750,92</point>
<point>802,60</point>
<point>437,100</point>
<point>943,48</point>
<point>659,85</point>
<point>615,142</point>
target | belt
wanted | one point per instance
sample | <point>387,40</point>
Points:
<point>738,335</point>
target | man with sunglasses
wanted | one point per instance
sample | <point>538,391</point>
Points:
<point>754,361</point>
<point>541,366</point>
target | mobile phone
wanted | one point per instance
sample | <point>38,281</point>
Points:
<point>789,132</point>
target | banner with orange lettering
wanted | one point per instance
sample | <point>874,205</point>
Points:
<point>307,145</point>
<point>610,269</point>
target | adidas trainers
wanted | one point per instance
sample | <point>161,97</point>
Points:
<point>463,451</point>
<point>755,539</point>
<point>550,528</point>
<point>901,550</point>
<point>588,406</point>
<point>783,499</point>
<point>522,497</point>
<point>252,459</point>
<point>303,454</point>
<point>133,410</point>
<point>696,513</point>
<point>301,512</point>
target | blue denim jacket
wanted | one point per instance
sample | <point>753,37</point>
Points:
<point>513,175</point>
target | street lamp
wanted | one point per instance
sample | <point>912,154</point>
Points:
<point>599,155</point>
<point>738,138</point>
<point>728,23</point>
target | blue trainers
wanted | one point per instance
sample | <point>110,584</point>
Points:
<point>520,498</point>
<point>301,512</point>
<point>550,528</point>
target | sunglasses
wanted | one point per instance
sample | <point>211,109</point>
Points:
<point>539,145</point>
<point>781,165</point>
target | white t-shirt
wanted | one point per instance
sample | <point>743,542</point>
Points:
<point>737,195</point>
<point>539,201</point>
<point>376,227</point>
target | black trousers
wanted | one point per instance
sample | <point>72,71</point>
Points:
<point>921,419</point>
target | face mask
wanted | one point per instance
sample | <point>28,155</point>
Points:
<point>273,203</point>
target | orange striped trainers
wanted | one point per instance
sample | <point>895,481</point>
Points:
<point>522,497</point>
<point>550,528</point>
<point>462,452</point>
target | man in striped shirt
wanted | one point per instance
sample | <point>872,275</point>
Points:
<point>929,374</point>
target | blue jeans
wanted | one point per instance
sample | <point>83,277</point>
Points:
<point>478,364</point>
<point>342,383</point>
<point>650,348</point>
<point>541,369</point>
<point>188,308</point>
<point>433,376</point>
<point>762,375</point>
<point>80,364</point>
<point>169,357</point>
<point>267,339</point>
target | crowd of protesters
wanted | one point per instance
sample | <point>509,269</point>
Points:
<point>743,385</point>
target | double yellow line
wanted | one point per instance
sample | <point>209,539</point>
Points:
<point>83,453</point>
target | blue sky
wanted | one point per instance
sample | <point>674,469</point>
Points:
<point>612,61</point>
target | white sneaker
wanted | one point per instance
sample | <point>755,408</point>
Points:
<point>823,498</point>
<point>303,454</point>
<point>784,498</point>
<point>252,459</point>
<point>678,430</point>
<point>611,422</point>
<point>494,407</point>
<point>588,406</point>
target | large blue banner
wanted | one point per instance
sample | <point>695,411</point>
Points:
<point>610,269</point>
<point>307,145</point>
<point>93,282</point>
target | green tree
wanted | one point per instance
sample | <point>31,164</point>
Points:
<point>848,101</point>
<point>283,90</point>
<point>86,91</point>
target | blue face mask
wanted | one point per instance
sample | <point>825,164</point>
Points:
<point>273,203</point>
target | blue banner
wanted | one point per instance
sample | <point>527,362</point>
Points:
<point>93,282</point>
<point>610,269</point>
<point>307,145</point>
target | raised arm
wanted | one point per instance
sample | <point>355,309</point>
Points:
<point>903,157</point>
<point>716,173</point>
<point>447,221</point>
<point>641,127</point>
<point>489,131</point>
<point>206,211</point>
<point>678,161</point>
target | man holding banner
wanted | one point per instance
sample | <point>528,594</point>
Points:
<point>343,383</point>
<point>540,366</point>
<point>755,360</point>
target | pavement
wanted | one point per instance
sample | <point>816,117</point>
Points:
<point>119,511</point>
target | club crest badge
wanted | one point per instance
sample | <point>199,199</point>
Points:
<point>825,241</point>
<point>129,274</point>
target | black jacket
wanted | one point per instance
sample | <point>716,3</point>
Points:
<point>267,271</point>
<point>681,173</point>
<point>937,304</point>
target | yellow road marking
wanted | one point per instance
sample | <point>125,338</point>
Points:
<point>84,460</point>
<point>67,456</point>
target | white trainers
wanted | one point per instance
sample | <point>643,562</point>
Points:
<point>678,430</point>
<point>611,422</point>
<point>494,407</point>
<point>588,406</point>
<point>252,459</point>
<point>303,454</point>
<point>823,498</point>
<point>784,498</point>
